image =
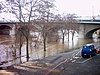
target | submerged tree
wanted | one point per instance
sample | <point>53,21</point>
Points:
<point>24,12</point>
<point>43,16</point>
<point>66,23</point>
<point>72,22</point>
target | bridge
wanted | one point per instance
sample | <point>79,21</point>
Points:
<point>87,28</point>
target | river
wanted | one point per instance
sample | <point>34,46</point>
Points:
<point>6,43</point>
<point>56,48</point>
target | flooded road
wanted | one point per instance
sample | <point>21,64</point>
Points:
<point>6,51</point>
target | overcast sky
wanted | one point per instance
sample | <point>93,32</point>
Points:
<point>79,7</point>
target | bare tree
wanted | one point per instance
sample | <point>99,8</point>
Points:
<point>66,23</point>
<point>23,10</point>
<point>72,22</point>
<point>63,26</point>
<point>43,15</point>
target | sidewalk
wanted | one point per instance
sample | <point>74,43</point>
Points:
<point>43,66</point>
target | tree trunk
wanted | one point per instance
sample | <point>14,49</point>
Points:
<point>63,39</point>
<point>73,35</point>
<point>27,52</point>
<point>44,41</point>
<point>44,44</point>
<point>68,35</point>
<point>20,48</point>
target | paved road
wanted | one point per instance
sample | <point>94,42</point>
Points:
<point>79,66</point>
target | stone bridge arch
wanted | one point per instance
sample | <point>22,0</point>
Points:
<point>90,33</point>
<point>87,29</point>
<point>5,30</point>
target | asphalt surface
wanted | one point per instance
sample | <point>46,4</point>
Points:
<point>69,63</point>
<point>79,66</point>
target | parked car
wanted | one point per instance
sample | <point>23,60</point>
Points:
<point>98,49</point>
<point>88,50</point>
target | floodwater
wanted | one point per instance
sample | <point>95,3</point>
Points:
<point>6,51</point>
<point>56,48</point>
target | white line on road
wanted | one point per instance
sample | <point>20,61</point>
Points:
<point>84,61</point>
<point>66,60</point>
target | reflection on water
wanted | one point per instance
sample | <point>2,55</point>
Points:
<point>55,48</point>
<point>96,39</point>
<point>51,48</point>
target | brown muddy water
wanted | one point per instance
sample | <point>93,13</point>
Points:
<point>6,50</point>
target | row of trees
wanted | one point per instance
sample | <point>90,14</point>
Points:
<point>37,15</point>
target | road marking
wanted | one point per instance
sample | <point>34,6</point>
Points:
<point>57,66</point>
<point>78,52</point>
<point>66,60</point>
<point>84,61</point>
<point>75,54</point>
<point>73,60</point>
